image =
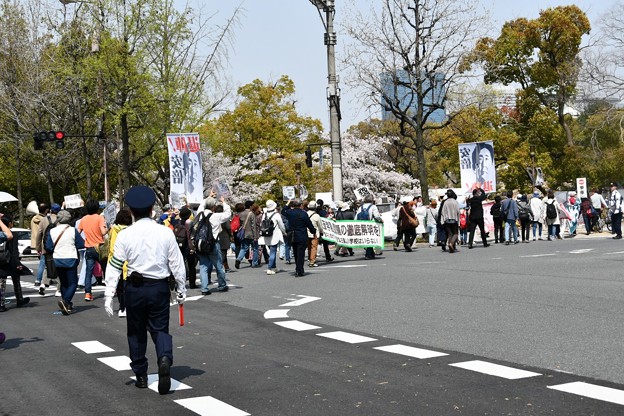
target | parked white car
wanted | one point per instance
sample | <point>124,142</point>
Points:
<point>22,235</point>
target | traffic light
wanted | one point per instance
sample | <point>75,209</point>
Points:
<point>59,136</point>
<point>38,142</point>
<point>308,155</point>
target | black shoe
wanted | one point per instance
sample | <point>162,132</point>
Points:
<point>164,375</point>
<point>41,291</point>
<point>206,293</point>
<point>330,259</point>
<point>63,307</point>
<point>141,381</point>
<point>237,264</point>
<point>617,237</point>
<point>22,302</point>
<point>470,247</point>
<point>222,288</point>
<point>486,245</point>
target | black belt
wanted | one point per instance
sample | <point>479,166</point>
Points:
<point>147,279</point>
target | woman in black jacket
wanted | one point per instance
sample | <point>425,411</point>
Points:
<point>13,267</point>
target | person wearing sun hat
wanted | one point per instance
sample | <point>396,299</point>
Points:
<point>152,255</point>
<point>277,235</point>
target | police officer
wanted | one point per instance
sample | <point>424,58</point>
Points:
<point>153,255</point>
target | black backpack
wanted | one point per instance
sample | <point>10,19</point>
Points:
<point>496,210</point>
<point>267,226</point>
<point>181,236</point>
<point>551,211</point>
<point>524,212</point>
<point>203,239</point>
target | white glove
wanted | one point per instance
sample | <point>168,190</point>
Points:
<point>108,305</point>
<point>181,298</point>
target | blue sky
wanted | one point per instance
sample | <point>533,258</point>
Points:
<point>285,37</point>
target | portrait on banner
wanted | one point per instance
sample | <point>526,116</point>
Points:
<point>477,167</point>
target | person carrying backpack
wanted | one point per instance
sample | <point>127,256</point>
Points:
<point>551,207</point>
<point>209,251</point>
<point>272,231</point>
<point>46,224</point>
<point>313,238</point>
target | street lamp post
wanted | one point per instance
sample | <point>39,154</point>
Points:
<point>333,93</point>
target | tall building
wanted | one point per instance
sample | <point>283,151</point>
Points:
<point>399,88</point>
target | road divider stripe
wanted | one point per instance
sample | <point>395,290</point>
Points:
<point>119,363</point>
<point>346,337</point>
<point>276,313</point>
<point>497,370</point>
<point>209,406</point>
<point>419,353</point>
<point>92,347</point>
<point>297,325</point>
<point>538,255</point>
<point>606,394</point>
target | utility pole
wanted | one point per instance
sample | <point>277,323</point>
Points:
<point>333,93</point>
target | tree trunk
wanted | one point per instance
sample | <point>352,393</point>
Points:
<point>422,167</point>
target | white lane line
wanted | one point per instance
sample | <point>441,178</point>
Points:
<point>276,313</point>
<point>192,298</point>
<point>349,266</point>
<point>592,391</point>
<point>152,383</point>
<point>209,406</point>
<point>346,337</point>
<point>538,255</point>
<point>304,299</point>
<point>419,353</point>
<point>607,254</point>
<point>92,347</point>
<point>495,370</point>
<point>297,325</point>
<point>581,251</point>
<point>119,363</point>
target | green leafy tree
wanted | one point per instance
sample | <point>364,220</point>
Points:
<point>542,55</point>
<point>265,123</point>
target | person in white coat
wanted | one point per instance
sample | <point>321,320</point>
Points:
<point>537,209</point>
<point>276,235</point>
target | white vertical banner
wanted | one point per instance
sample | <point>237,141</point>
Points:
<point>476,164</point>
<point>185,166</point>
<point>581,187</point>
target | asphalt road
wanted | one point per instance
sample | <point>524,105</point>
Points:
<point>539,318</point>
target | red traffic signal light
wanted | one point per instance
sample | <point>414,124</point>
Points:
<point>59,135</point>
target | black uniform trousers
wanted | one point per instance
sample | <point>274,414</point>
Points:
<point>147,309</point>
<point>299,248</point>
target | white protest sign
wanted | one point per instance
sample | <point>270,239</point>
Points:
<point>221,188</point>
<point>288,192</point>
<point>326,197</point>
<point>73,201</point>
<point>361,192</point>
<point>110,212</point>
<point>303,192</point>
